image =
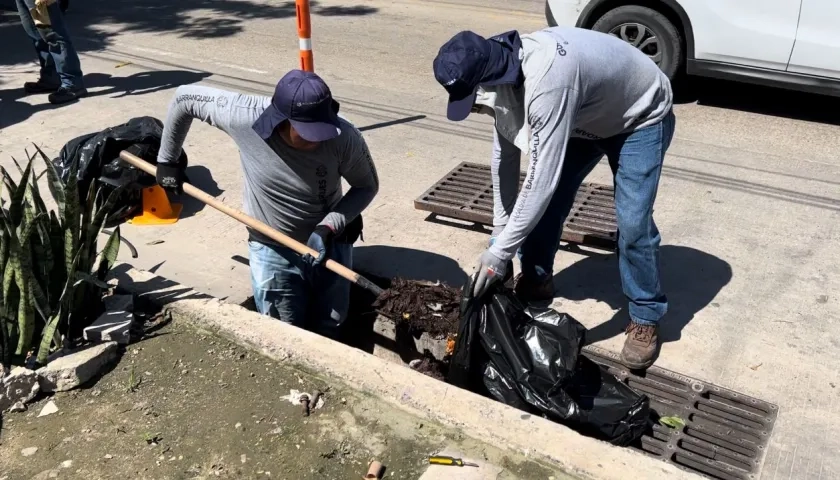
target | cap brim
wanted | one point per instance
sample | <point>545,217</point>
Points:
<point>310,131</point>
<point>459,109</point>
<point>268,121</point>
<point>317,131</point>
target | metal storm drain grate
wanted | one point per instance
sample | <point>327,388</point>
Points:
<point>466,193</point>
<point>725,432</point>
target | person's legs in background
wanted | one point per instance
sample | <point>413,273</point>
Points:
<point>48,80</point>
<point>61,71</point>
<point>537,253</point>
<point>636,160</point>
<point>280,290</point>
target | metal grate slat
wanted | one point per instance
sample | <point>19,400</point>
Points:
<point>466,193</point>
<point>725,434</point>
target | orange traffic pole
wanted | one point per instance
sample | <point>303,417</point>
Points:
<point>304,28</point>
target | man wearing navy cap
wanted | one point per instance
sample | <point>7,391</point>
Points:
<point>294,151</point>
<point>567,97</point>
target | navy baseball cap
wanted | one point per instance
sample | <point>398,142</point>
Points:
<point>468,60</point>
<point>306,102</point>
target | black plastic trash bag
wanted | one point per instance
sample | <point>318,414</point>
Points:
<point>533,362</point>
<point>98,157</point>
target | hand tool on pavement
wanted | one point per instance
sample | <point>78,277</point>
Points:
<point>455,462</point>
<point>257,225</point>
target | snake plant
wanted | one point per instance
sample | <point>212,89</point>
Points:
<point>52,273</point>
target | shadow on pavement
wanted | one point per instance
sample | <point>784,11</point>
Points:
<point>391,123</point>
<point>389,262</point>
<point>15,111</point>
<point>777,102</point>
<point>160,290</point>
<point>690,278</point>
<point>200,177</point>
<point>185,18</point>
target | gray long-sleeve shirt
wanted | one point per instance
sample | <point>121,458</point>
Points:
<point>291,190</point>
<point>578,83</point>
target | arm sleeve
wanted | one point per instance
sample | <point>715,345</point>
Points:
<point>358,169</point>
<point>209,105</point>
<point>504,169</point>
<point>550,116</point>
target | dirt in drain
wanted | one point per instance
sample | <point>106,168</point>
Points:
<point>431,366</point>
<point>422,307</point>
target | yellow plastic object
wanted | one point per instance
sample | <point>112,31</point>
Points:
<point>156,208</point>
<point>455,462</point>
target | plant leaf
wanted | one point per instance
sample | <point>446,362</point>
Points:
<point>98,223</point>
<point>16,204</point>
<point>11,262</point>
<point>109,254</point>
<point>70,222</point>
<point>85,226</point>
<point>22,258</point>
<point>82,277</point>
<point>20,170</point>
<point>54,182</point>
<point>58,274</point>
<point>7,180</point>
<point>47,337</point>
<point>673,422</point>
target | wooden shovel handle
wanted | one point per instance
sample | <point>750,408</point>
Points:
<point>257,225</point>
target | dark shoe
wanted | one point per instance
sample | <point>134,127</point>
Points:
<point>67,94</point>
<point>641,346</point>
<point>40,86</point>
<point>532,290</point>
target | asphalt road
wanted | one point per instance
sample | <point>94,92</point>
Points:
<point>749,204</point>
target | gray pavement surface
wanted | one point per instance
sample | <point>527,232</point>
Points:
<point>748,205</point>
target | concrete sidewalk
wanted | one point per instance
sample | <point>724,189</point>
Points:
<point>749,209</point>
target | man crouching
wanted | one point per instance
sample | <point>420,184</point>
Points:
<point>294,151</point>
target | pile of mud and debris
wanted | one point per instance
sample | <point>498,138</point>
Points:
<point>433,308</point>
<point>429,365</point>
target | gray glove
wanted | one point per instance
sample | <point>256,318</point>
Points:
<point>490,269</point>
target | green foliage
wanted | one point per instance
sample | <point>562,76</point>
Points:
<point>673,422</point>
<point>52,273</point>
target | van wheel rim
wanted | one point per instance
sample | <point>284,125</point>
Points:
<point>640,37</point>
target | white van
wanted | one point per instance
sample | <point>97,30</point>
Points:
<point>793,44</point>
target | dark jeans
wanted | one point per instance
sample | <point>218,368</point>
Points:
<point>59,60</point>
<point>636,162</point>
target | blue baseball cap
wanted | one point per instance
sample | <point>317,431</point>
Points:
<point>306,102</point>
<point>468,60</point>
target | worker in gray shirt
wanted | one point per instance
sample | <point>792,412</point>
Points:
<point>567,97</point>
<point>294,151</point>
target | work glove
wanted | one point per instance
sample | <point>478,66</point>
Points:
<point>321,241</point>
<point>171,177</point>
<point>490,269</point>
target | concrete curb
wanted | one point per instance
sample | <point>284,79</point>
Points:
<point>473,415</point>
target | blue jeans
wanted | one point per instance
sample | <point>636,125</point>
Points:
<point>636,162</point>
<point>285,290</point>
<point>59,60</point>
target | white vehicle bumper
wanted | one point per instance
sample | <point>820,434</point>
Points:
<point>564,12</point>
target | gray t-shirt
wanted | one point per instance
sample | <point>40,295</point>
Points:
<point>291,190</point>
<point>578,83</point>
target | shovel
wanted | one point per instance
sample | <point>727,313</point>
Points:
<point>257,225</point>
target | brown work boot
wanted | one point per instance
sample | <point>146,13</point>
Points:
<point>532,290</point>
<point>641,346</point>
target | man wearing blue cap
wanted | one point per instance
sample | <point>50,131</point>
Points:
<point>294,151</point>
<point>567,97</point>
